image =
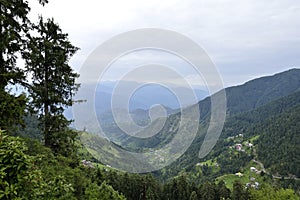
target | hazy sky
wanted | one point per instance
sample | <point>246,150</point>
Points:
<point>245,39</point>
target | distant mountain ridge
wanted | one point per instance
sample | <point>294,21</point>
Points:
<point>260,91</point>
<point>141,99</point>
<point>257,92</point>
<point>144,97</point>
<point>259,99</point>
<point>246,97</point>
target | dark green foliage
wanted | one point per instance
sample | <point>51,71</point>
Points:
<point>15,168</point>
<point>261,91</point>
<point>108,193</point>
<point>134,186</point>
<point>36,173</point>
<point>14,34</point>
<point>208,191</point>
<point>268,193</point>
<point>104,191</point>
<point>277,124</point>
<point>246,108</point>
<point>53,177</point>
<point>53,82</point>
<point>61,138</point>
<point>20,176</point>
<point>253,122</point>
<point>239,192</point>
<point>11,110</point>
<point>13,27</point>
<point>223,191</point>
<point>176,189</point>
<point>278,146</point>
<point>193,196</point>
<point>47,61</point>
<point>75,182</point>
<point>30,129</point>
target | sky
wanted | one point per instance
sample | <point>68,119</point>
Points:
<point>245,39</point>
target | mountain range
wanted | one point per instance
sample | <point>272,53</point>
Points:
<point>261,131</point>
<point>264,112</point>
<point>141,100</point>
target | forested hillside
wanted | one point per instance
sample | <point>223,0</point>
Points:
<point>272,129</point>
<point>246,97</point>
<point>37,173</point>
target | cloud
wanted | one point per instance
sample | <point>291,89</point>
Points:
<point>244,38</point>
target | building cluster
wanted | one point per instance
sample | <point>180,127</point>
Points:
<point>87,163</point>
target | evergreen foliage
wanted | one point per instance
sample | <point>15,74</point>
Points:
<point>53,82</point>
<point>14,25</point>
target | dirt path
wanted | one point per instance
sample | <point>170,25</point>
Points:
<point>274,176</point>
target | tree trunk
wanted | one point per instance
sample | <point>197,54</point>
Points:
<point>47,136</point>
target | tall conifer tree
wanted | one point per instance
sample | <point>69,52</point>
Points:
<point>14,26</point>
<point>53,82</point>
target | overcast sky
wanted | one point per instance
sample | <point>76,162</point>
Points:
<point>245,39</point>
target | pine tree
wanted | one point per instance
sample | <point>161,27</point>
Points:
<point>53,82</point>
<point>223,191</point>
<point>208,191</point>
<point>239,192</point>
<point>14,25</point>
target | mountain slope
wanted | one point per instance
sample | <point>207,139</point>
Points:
<point>278,145</point>
<point>274,130</point>
<point>249,106</point>
<point>248,97</point>
<point>258,92</point>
